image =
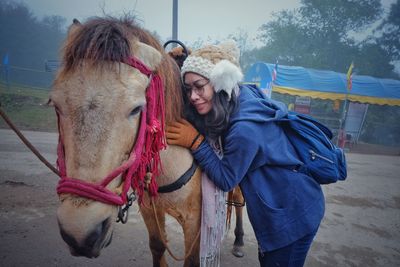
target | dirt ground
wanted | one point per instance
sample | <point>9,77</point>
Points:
<point>361,225</point>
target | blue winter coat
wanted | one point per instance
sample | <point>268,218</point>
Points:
<point>283,204</point>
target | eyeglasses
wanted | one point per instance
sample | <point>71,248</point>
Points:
<point>197,87</point>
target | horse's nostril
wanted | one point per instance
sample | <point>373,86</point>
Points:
<point>68,238</point>
<point>97,234</point>
<point>106,224</point>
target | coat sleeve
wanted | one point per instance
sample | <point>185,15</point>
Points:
<point>240,149</point>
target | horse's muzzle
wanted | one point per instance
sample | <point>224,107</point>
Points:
<point>92,244</point>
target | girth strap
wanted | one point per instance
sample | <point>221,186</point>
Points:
<point>180,182</point>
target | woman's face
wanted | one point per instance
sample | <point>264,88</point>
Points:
<point>199,92</point>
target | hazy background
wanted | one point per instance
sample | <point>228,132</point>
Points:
<point>205,20</point>
<point>196,19</point>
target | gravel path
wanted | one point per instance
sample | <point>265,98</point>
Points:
<point>361,225</point>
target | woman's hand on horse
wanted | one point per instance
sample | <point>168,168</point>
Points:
<point>182,133</point>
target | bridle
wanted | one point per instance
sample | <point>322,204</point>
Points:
<point>144,156</point>
<point>144,159</point>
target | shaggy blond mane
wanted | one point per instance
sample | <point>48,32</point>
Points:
<point>100,41</point>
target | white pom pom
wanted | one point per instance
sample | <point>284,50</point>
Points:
<point>225,76</point>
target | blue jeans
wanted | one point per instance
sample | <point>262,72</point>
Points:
<point>292,255</point>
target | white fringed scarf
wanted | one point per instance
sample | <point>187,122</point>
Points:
<point>213,219</point>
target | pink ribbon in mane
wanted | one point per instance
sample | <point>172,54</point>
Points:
<point>144,157</point>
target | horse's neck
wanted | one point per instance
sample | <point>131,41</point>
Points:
<point>176,161</point>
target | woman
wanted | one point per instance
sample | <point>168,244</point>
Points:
<point>285,206</point>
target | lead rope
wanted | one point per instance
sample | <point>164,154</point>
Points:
<point>27,143</point>
<point>147,180</point>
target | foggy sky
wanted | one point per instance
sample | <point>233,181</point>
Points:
<point>207,20</point>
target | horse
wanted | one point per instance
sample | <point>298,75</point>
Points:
<point>99,99</point>
<point>100,95</point>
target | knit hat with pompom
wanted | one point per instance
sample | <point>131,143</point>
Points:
<point>218,63</point>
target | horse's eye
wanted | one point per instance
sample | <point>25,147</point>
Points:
<point>135,111</point>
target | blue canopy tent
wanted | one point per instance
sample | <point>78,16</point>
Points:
<point>324,84</point>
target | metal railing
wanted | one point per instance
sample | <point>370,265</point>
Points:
<point>11,75</point>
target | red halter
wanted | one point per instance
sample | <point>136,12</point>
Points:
<point>144,157</point>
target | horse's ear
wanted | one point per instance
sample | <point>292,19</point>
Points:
<point>74,27</point>
<point>147,54</point>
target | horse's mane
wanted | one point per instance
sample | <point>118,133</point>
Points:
<point>100,41</point>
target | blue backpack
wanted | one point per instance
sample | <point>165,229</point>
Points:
<point>322,160</point>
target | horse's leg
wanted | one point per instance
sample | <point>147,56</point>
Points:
<point>156,244</point>
<point>189,217</point>
<point>191,231</point>
<point>239,232</point>
<point>188,214</point>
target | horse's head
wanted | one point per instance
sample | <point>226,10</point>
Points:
<point>99,101</point>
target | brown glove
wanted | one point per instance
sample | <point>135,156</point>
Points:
<point>182,133</point>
